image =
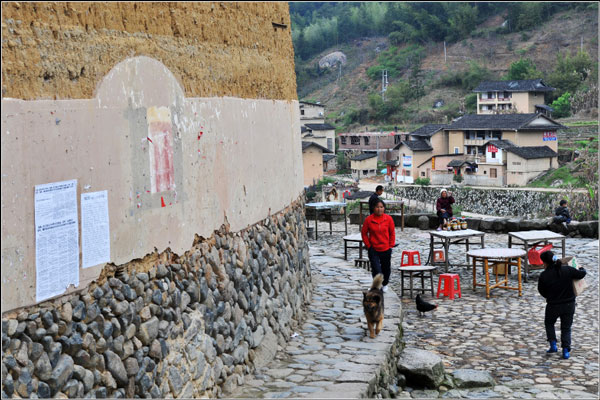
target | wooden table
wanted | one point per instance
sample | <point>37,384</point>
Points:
<point>416,271</point>
<point>388,204</point>
<point>328,206</point>
<point>490,257</point>
<point>530,239</point>
<point>446,238</point>
<point>355,238</point>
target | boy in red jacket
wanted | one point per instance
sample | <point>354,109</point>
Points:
<point>379,236</point>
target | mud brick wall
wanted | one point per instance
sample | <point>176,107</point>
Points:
<point>61,50</point>
<point>190,326</point>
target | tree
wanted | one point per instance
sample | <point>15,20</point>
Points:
<point>562,106</point>
<point>522,69</point>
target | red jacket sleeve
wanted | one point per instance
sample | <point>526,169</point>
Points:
<point>392,231</point>
<point>364,230</point>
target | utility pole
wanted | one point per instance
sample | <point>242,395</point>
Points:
<point>444,52</point>
<point>384,83</point>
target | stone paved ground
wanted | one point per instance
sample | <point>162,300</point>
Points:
<point>503,335</point>
<point>331,353</point>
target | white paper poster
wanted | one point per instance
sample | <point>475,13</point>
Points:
<point>56,238</point>
<point>95,230</point>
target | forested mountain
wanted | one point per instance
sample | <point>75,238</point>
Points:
<point>554,41</point>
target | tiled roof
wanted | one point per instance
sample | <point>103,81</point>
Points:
<point>304,129</point>
<point>306,145</point>
<point>458,163</point>
<point>363,156</point>
<point>502,121</point>
<point>359,195</point>
<point>327,157</point>
<point>501,144</point>
<point>544,107</point>
<point>528,85</point>
<point>532,152</point>
<point>319,127</point>
<point>312,104</point>
<point>415,145</point>
<point>427,130</point>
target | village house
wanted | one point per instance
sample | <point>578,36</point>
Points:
<point>381,143</point>
<point>311,113</point>
<point>321,133</point>
<point>364,165</point>
<point>312,161</point>
<point>523,96</point>
<point>491,150</point>
<point>329,163</point>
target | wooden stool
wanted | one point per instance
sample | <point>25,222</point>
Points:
<point>363,263</point>
<point>417,271</point>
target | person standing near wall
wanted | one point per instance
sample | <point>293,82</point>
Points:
<point>379,236</point>
<point>556,286</point>
<point>375,198</point>
<point>444,207</point>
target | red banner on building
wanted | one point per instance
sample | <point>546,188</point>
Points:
<point>492,149</point>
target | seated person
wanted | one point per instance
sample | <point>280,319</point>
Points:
<point>444,208</point>
<point>562,213</point>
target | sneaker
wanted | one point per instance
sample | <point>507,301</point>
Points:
<point>385,288</point>
<point>439,229</point>
<point>553,348</point>
<point>566,354</point>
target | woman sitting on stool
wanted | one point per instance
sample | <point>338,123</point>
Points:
<point>444,208</point>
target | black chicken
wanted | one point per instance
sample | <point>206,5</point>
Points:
<point>423,306</point>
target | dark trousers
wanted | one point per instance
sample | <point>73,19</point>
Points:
<point>559,219</point>
<point>565,312</point>
<point>381,263</point>
<point>442,216</point>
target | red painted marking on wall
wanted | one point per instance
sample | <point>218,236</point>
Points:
<point>162,202</point>
<point>164,172</point>
<point>150,140</point>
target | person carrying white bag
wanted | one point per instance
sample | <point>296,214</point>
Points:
<point>556,286</point>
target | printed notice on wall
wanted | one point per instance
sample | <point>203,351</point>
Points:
<point>56,238</point>
<point>95,234</point>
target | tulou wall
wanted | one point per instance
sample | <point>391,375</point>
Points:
<point>186,115</point>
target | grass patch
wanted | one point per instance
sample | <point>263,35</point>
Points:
<point>563,173</point>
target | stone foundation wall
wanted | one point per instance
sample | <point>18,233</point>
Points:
<point>500,202</point>
<point>188,326</point>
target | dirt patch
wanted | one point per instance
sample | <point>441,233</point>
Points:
<point>63,50</point>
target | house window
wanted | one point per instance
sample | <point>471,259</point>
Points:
<point>301,112</point>
<point>456,150</point>
<point>330,143</point>
<point>422,173</point>
<point>366,141</point>
<point>483,96</point>
<point>397,139</point>
<point>355,140</point>
<point>493,173</point>
<point>493,155</point>
<point>343,139</point>
<point>491,95</point>
<point>365,171</point>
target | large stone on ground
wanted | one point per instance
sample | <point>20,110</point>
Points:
<point>486,225</point>
<point>421,368</point>
<point>499,225</point>
<point>586,229</point>
<point>423,222</point>
<point>473,223</point>
<point>265,352</point>
<point>512,225</point>
<point>471,378</point>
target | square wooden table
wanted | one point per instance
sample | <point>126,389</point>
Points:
<point>416,271</point>
<point>490,257</point>
<point>446,238</point>
<point>388,204</point>
<point>327,206</point>
<point>530,239</point>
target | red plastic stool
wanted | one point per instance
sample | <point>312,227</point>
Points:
<point>449,290</point>
<point>438,256</point>
<point>536,251</point>
<point>410,258</point>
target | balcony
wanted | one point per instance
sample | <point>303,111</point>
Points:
<point>474,142</point>
<point>488,100</point>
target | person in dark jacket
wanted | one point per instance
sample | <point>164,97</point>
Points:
<point>556,285</point>
<point>444,207</point>
<point>562,213</point>
<point>379,236</point>
<point>375,197</point>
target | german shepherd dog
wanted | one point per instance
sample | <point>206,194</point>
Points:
<point>373,306</point>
